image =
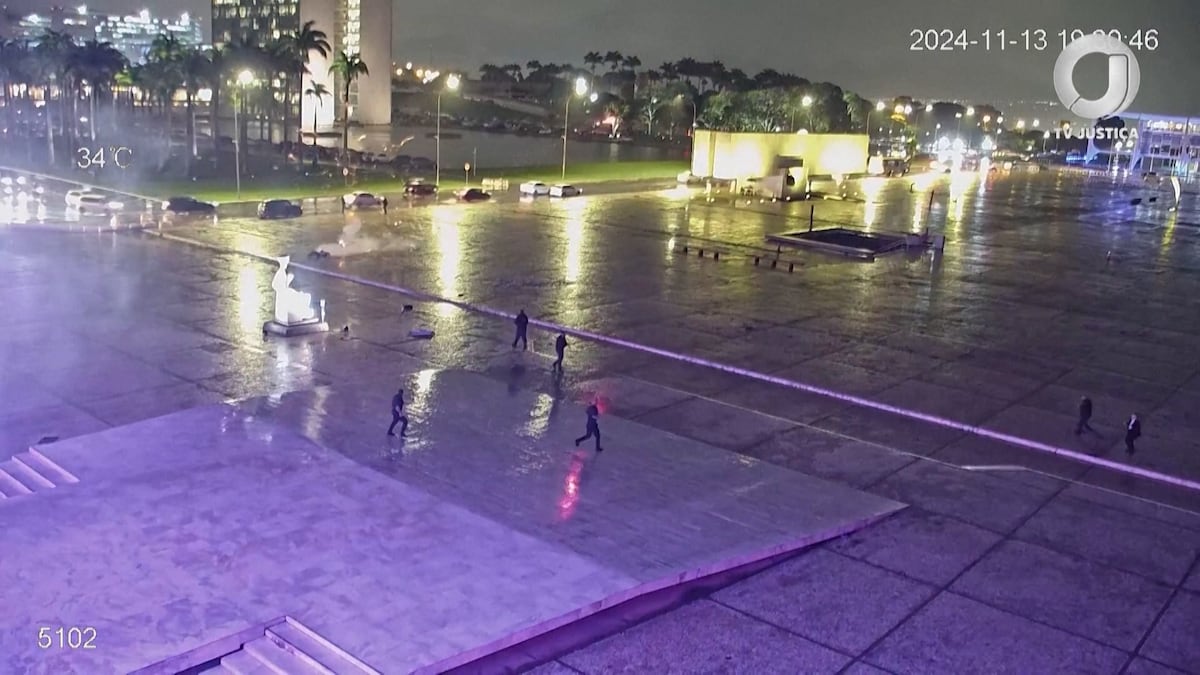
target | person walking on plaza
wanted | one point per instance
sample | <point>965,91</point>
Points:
<point>593,427</point>
<point>1085,415</point>
<point>1133,429</point>
<point>560,347</point>
<point>522,322</point>
<point>398,416</point>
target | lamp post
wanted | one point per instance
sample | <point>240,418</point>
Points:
<point>653,102</point>
<point>452,83</point>
<point>581,89</point>
<point>244,79</point>
<point>1045,137</point>
<point>805,102</point>
<point>693,104</point>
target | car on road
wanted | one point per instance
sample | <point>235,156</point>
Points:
<point>418,188</point>
<point>188,205</point>
<point>94,204</point>
<point>363,200</point>
<point>278,208</point>
<point>74,197</point>
<point>564,190</point>
<point>535,188</point>
<point>474,195</point>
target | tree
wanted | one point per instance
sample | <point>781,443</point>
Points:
<point>297,51</point>
<point>348,67</point>
<point>96,64</point>
<point>318,91</point>
<point>591,60</point>
<point>613,59</point>
<point>193,68</point>
<point>668,70</point>
<point>492,73</point>
<point>214,76</point>
<point>514,71</point>
<point>53,54</point>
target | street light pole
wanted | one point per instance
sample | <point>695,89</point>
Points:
<point>581,88</point>
<point>437,134</point>
<point>244,78</point>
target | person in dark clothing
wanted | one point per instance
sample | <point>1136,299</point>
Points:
<point>398,416</point>
<point>1085,415</point>
<point>593,428</point>
<point>560,346</point>
<point>1133,429</point>
<point>522,322</point>
<point>383,201</point>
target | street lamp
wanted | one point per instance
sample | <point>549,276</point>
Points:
<point>693,104</point>
<point>244,79</point>
<point>452,83</point>
<point>653,102</point>
<point>581,89</point>
<point>1020,124</point>
<point>1045,137</point>
<point>806,101</point>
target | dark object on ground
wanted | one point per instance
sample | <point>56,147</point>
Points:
<point>188,205</point>
<point>278,208</point>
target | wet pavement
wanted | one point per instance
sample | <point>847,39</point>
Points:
<point>1020,316</point>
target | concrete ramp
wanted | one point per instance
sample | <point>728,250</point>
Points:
<point>483,530</point>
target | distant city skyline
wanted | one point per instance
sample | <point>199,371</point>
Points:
<point>861,45</point>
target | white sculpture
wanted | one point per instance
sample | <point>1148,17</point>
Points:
<point>291,306</point>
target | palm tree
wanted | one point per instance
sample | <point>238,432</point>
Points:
<point>193,68</point>
<point>348,67</point>
<point>214,77</point>
<point>96,64</point>
<point>14,69</point>
<point>300,47</point>
<point>669,71</point>
<point>318,91</point>
<point>613,59</point>
<point>591,60</point>
<point>53,52</point>
<point>490,72</point>
<point>514,71</point>
<point>687,68</point>
<point>165,62</point>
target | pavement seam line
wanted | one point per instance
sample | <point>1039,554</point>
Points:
<point>1175,591</point>
<point>683,358</point>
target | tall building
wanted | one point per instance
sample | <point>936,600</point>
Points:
<point>349,29</point>
<point>130,34</point>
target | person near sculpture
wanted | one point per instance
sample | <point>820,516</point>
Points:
<point>560,347</point>
<point>1133,429</point>
<point>593,427</point>
<point>522,323</point>
<point>1085,415</point>
<point>398,416</point>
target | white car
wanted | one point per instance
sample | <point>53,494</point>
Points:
<point>563,190</point>
<point>535,189</point>
<point>74,197</point>
<point>362,200</point>
<point>91,203</point>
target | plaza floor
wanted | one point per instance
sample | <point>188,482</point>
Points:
<point>1083,570</point>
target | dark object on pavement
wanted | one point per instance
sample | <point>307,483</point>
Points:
<point>522,323</point>
<point>278,208</point>
<point>188,205</point>
<point>1133,430</point>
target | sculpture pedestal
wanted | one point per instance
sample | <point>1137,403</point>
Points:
<point>294,329</point>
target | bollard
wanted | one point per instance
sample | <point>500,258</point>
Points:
<point>812,209</point>
<point>756,261</point>
<point>791,267</point>
<point>774,263</point>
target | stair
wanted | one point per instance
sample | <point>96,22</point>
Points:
<point>31,472</point>
<point>288,648</point>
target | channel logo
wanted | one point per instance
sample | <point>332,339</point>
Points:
<point>1124,76</point>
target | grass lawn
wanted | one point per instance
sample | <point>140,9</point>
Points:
<point>223,190</point>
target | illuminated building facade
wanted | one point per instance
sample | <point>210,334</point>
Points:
<point>130,34</point>
<point>738,156</point>
<point>360,27</point>
<point>1164,144</point>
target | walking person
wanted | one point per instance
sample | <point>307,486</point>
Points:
<point>560,347</point>
<point>398,416</point>
<point>1133,429</point>
<point>593,427</point>
<point>522,323</point>
<point>1085,415</point>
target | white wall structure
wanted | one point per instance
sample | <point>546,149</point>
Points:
<point>368,31</point>
<point>728,155</point>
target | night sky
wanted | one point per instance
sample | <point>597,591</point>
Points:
<point>862,45</point>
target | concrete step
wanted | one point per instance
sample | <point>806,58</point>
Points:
<point>322,655</point>
<point>11,487</point>
<point>31,479</point>
<point>279,660</point>
<point>45,466</point>
<point>242,662</point>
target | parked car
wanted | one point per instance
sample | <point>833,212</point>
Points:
<point>94,204</point>
<point>419,188</point>
<point>73,196</point>
<point>188,205</point>
<point>363,200</point>
<point>563,190</point>
<point>474,195</point>
<point>278,208</point>
<point>535,188</point>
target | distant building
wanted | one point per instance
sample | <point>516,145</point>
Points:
<point>736,156</point>
<point>130,34</point>
<point>362,27</point>
<point>1164,144</point>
